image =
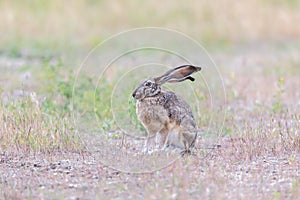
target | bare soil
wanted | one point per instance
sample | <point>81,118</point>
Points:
<point>220,173</point>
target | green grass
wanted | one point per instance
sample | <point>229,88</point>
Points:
<point>26,128</point>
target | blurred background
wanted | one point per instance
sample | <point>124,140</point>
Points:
<point>254,43</point>
<point>40,25</point>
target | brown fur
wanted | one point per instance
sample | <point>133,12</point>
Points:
<point>166,113</point>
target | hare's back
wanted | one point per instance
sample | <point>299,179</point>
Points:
<point>178,109</point>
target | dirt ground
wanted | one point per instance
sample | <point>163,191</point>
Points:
<point>220,173</point>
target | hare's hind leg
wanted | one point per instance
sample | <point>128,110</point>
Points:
<point>188,139</point>
<point>165,135</point>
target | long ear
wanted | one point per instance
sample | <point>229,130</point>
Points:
<point>178,74</point>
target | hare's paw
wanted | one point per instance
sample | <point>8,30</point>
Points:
<point>166,147</point>
<point>148,151</point>
<point>145,149</point>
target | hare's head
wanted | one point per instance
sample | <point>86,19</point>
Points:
<point>152,86</point>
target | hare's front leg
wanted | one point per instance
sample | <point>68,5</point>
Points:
<point>165,134</point>
<point>146,145</point>
<point>149,142</point>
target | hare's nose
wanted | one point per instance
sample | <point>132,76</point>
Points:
<point>133,94</point>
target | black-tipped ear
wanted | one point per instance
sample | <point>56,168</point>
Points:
<point>178,74</point>
<point>190,78</point>
<point>186,78</point>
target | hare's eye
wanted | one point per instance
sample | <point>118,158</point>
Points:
<point>148,84</point>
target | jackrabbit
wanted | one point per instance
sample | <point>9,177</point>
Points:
<point>164,112</point>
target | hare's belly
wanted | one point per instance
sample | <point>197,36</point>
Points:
<point>154,118</point>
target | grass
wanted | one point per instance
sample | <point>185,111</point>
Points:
<point>38,25</point>
<point>62,130</point>
<point>26,128</point>
<point>41,120</point>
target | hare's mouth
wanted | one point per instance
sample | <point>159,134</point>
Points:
<point>137,95</point>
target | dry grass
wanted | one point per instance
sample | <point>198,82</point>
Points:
<point>25,127</point>
<point>88,22</point>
